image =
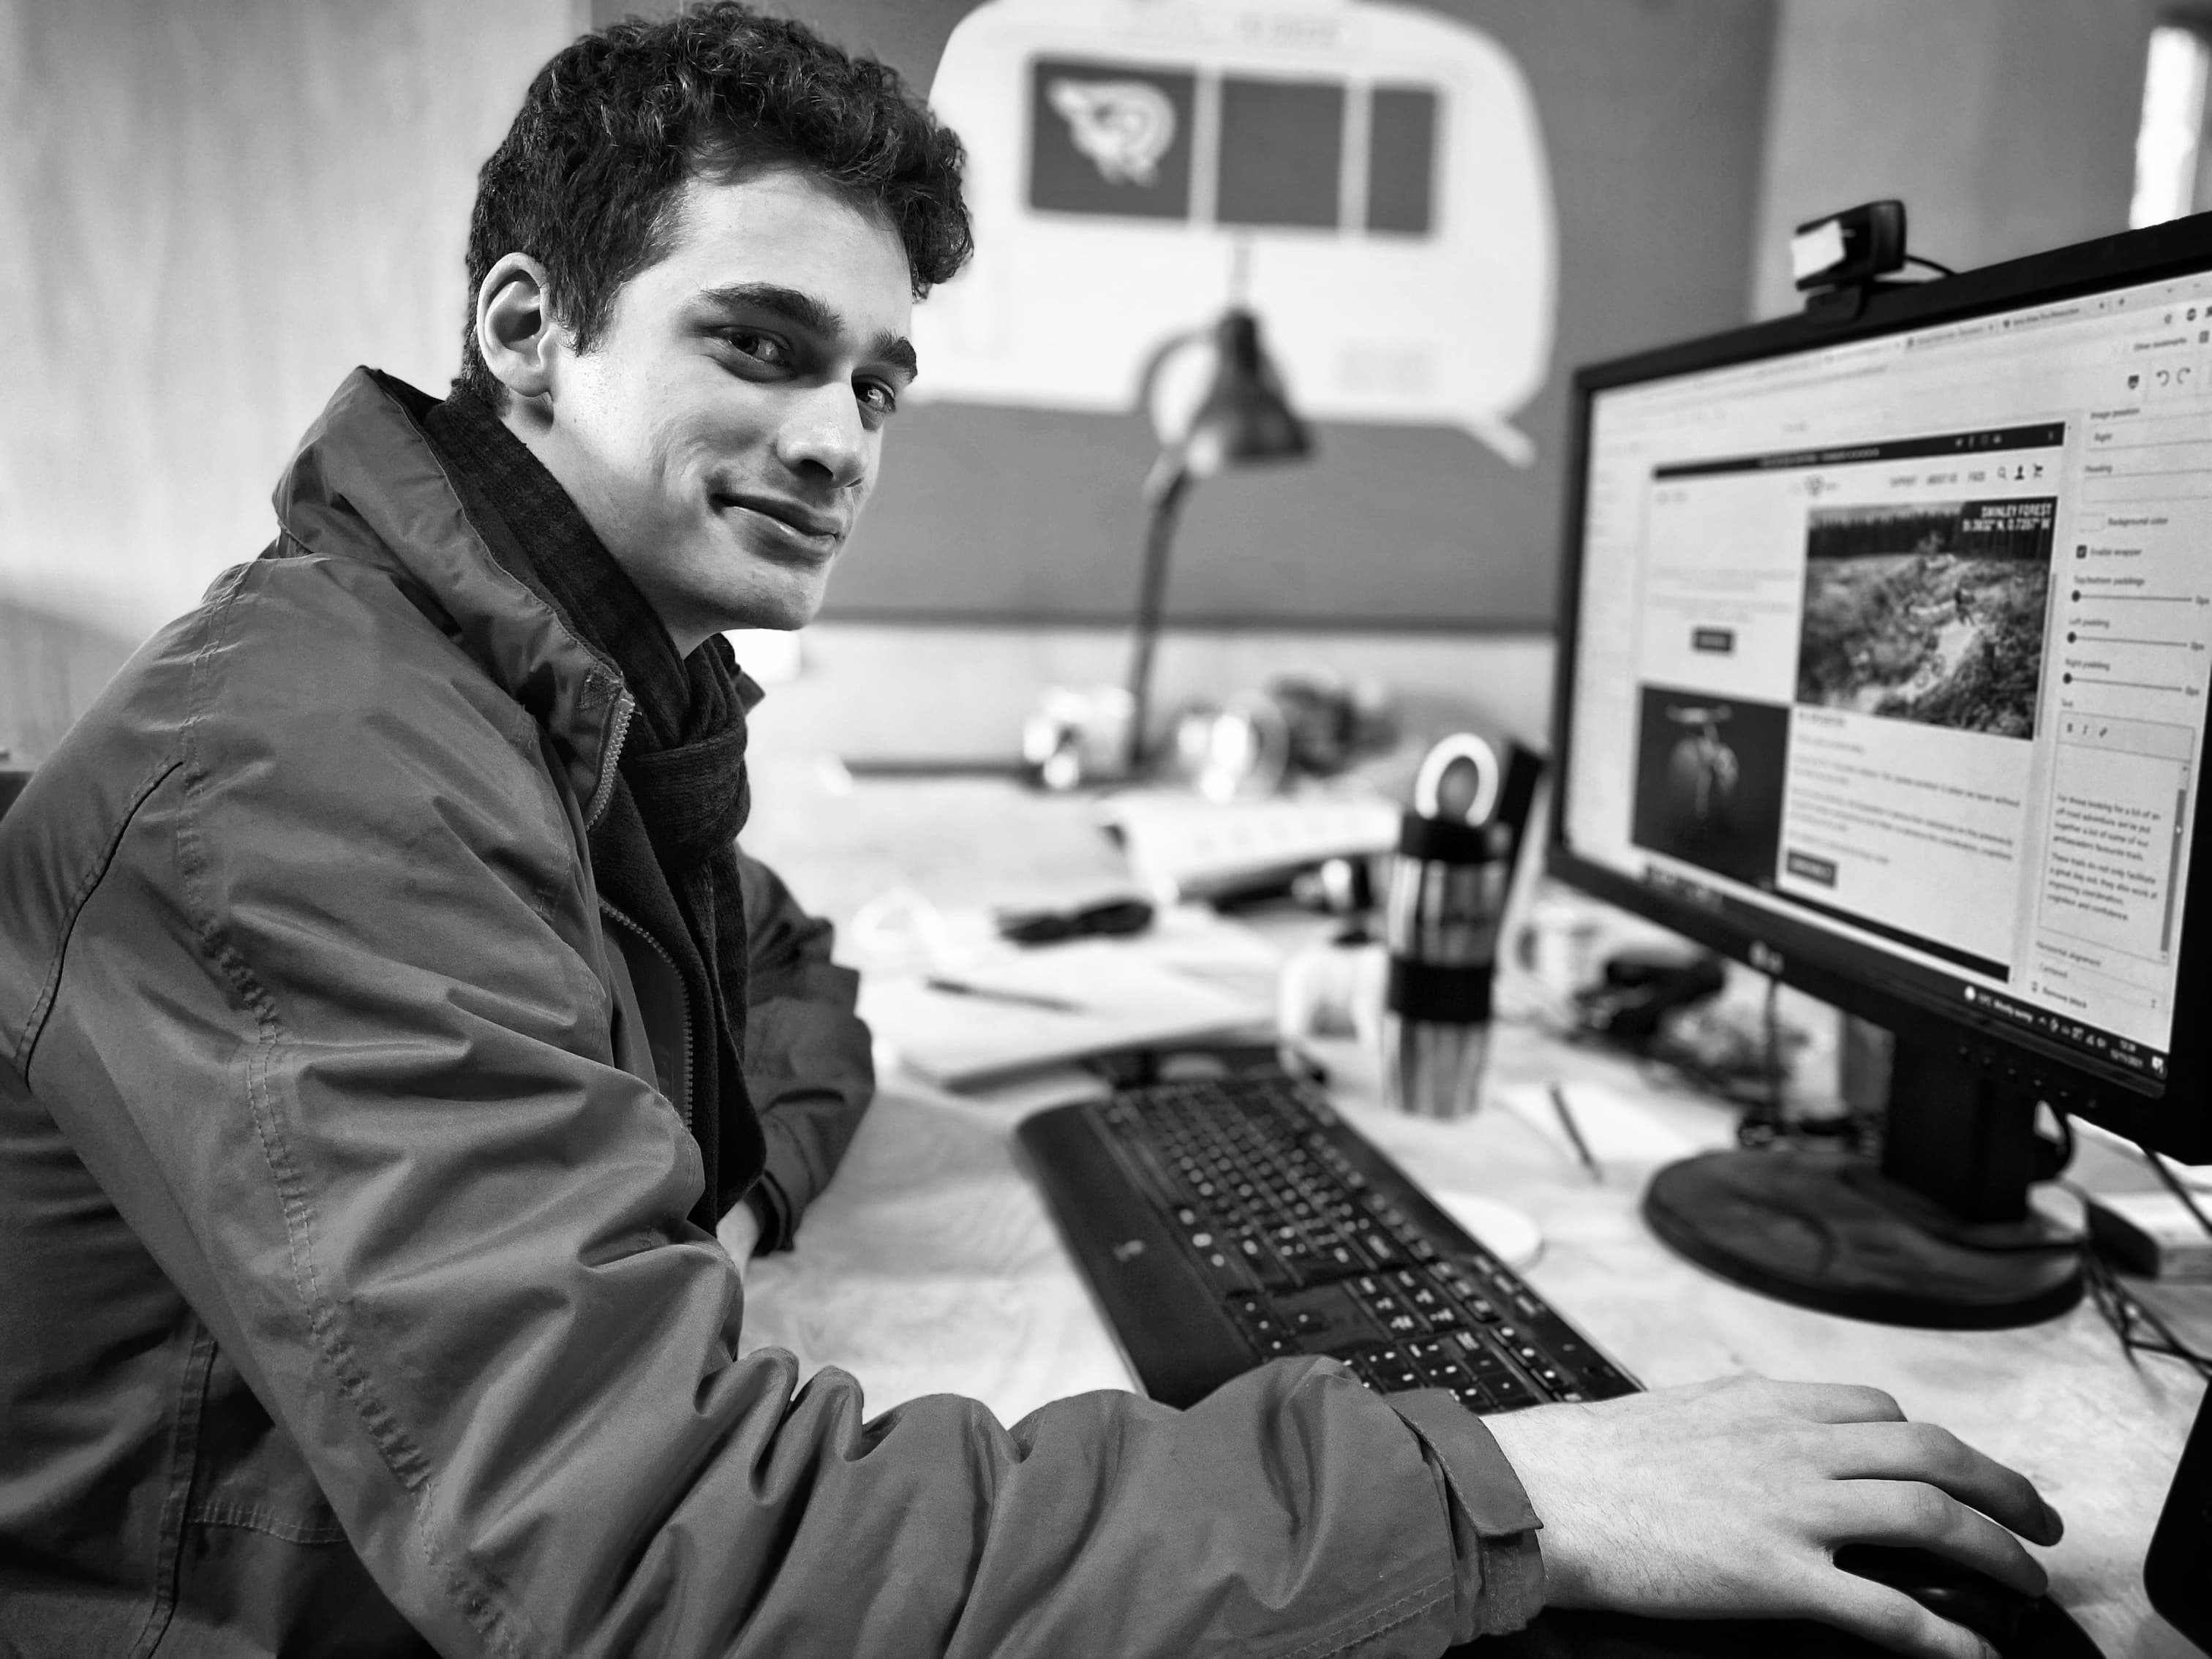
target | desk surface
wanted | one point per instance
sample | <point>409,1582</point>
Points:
<point>931,1265</point>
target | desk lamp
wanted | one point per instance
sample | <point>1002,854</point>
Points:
<point>1243,418</point>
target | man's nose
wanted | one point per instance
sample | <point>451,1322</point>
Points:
<point>824,435</point>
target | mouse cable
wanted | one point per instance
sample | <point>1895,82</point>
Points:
<point>2174,1183</point>
<point>2127,1314</point>
<point>2130,1316</point>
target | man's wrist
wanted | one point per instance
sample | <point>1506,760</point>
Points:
<point>739,1233</point>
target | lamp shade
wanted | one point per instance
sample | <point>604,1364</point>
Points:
<point>1245,416</point>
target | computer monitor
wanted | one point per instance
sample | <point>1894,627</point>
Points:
<point>1885,640</point>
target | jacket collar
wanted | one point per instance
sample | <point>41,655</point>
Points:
<point>365,483</point>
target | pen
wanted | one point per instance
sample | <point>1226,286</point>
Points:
<point>1574,1134</point>
<point>961,988</point>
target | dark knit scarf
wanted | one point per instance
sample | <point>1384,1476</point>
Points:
<point>664,852</point>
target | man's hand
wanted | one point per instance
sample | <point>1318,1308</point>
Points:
<point>738,1232</point>
<point>1729,1499</point>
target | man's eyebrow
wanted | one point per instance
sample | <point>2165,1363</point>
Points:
<point>805,311</point>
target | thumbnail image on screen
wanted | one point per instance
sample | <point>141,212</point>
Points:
<point>1933,612</point>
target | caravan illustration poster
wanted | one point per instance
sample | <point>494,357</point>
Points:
<point>1370,177</point>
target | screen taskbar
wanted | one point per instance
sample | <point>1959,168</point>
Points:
<point>2077,1043</point>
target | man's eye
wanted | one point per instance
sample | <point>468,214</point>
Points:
<point>762,347</point>
<point>879,397</point>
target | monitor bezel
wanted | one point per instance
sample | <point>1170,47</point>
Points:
<point>2171,1117</point>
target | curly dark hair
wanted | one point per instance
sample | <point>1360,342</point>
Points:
<point>586,179</point>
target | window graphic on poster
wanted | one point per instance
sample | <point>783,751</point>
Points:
<point>1377,170</point>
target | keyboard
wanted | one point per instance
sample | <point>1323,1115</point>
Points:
<point>1224,1221</point>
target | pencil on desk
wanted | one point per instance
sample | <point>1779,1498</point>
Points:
<point>1574,1132</point>
<point>961,988</point>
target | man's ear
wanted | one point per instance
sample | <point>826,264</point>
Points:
<point>516,331</point>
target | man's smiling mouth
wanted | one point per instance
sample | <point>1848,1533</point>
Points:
<point>807,524</point>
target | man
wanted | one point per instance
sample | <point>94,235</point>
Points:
<point>389,1023</point>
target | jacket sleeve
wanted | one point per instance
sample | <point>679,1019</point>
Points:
<point>807,1063</point>
<point>320,1037</point>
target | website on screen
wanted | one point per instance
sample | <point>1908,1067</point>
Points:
<point>1908,638</point>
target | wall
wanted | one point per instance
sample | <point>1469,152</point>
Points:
<point>209,213</point>
<point>2007,127</point>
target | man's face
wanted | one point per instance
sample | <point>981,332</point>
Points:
<point>722,432</point>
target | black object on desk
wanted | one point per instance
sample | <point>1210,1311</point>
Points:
<point>2175,1573</point>
<point>2044,1631</point>
<point>1107,918</point>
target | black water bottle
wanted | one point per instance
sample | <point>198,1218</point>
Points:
<point>1447,896</point>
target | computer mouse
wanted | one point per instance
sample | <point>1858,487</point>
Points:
<point>1996,1612</point>
<point>2018,1626</point>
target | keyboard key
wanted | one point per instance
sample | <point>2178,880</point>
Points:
<point>1509,1393</point>
<point>1440,1372</point>
<point>1396,1370</point>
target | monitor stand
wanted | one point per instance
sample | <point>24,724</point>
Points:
<point>1941,1235</point>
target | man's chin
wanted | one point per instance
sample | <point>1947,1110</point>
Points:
<point>779,606</point>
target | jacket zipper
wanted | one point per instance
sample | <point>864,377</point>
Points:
<point>683,1000</point>
<point>617,734</point>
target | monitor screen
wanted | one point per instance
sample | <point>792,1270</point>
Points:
<point>1888,648</point>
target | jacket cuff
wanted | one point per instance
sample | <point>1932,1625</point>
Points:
<point>1494,1527</point>
<point>778,1225</point>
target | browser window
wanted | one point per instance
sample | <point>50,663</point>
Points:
<point>1906,640</point>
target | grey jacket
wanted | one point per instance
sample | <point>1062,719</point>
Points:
<point>347,1301</point>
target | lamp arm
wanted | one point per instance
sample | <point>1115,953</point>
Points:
<point>1148,378</point>
<point>1169,486</point>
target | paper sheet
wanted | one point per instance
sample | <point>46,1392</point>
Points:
<point>1118,995</point>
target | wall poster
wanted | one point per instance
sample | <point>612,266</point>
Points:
<point>1375,175</point>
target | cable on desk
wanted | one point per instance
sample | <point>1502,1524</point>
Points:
<point>2174,1184</point>
<point>2127,1314</point>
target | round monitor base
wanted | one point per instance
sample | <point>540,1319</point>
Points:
<point>1826,1231</point>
